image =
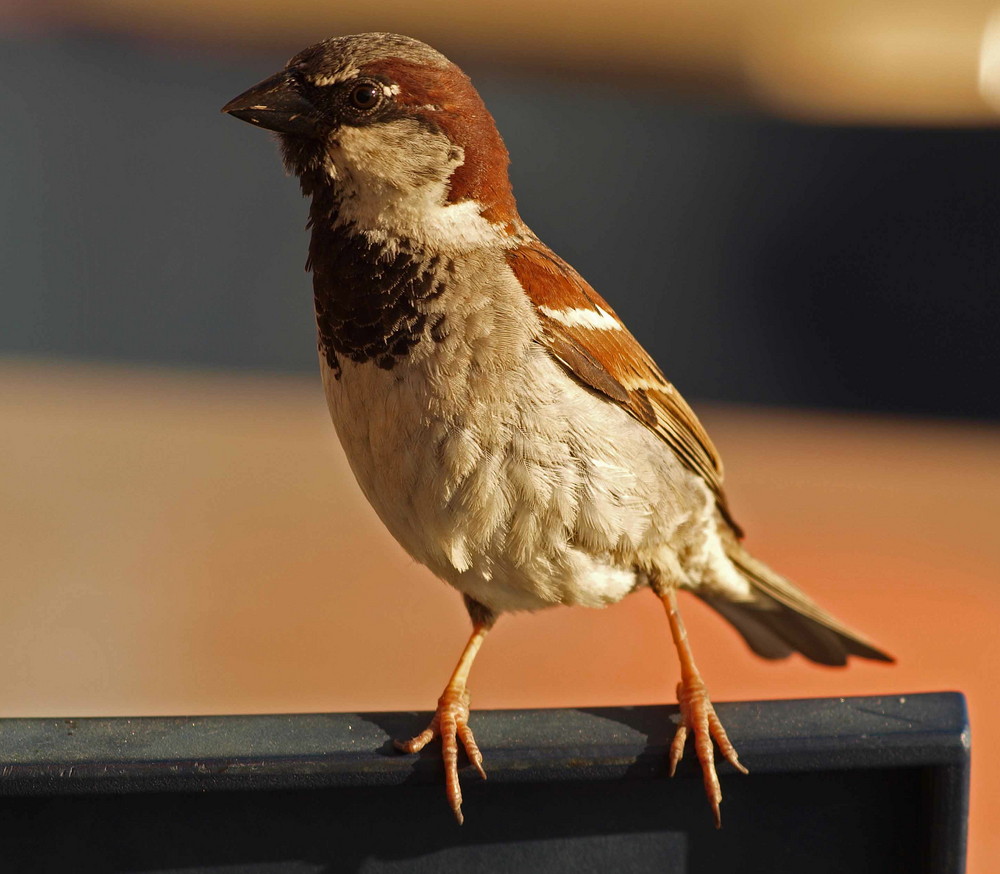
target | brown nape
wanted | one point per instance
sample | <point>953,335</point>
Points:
<point>445,98</point>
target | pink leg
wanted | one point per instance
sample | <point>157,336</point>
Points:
<point>451,724</point>
<point>697,713</point>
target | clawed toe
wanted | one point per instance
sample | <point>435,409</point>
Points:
<point>451,724</point>
<point>698,717</point>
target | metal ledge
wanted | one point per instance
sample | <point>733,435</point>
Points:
<point>875,783</point>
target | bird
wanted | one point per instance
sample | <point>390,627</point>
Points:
<point>507,428</point>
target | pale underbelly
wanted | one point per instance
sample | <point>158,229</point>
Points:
<point>564,500</point>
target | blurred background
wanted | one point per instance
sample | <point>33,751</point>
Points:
<point>794,205</point>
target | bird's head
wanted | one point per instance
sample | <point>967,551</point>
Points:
<point>392,127</point>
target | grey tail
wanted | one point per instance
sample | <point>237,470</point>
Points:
<point>781,620</point>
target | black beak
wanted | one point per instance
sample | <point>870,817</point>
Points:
<point>277,105</point>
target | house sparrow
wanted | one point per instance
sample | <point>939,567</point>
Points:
<point>505,425</point>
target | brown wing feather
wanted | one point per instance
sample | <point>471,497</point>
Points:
<point>613,362</point>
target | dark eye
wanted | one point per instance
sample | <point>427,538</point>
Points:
<point>365,95</point>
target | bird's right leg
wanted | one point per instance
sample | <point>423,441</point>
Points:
<point>451,719</point>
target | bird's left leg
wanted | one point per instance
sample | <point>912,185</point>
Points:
<point>697,713</point>
<point>451,719</point>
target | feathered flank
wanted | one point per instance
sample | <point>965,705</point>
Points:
<point>583,332</point>
<point>585,335</point>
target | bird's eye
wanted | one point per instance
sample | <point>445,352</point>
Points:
<point>365,96</point>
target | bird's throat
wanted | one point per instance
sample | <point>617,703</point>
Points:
<point>371,295</point>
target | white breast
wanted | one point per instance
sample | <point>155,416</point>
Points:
<point>500,473</point>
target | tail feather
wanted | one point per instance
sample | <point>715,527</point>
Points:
<point>781,619</point>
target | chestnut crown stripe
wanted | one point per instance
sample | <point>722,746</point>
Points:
<point>445,98</point>
<point>610,360</point>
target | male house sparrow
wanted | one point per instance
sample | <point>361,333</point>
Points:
<point>506,427</point>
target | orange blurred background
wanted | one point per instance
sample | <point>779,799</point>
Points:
<point>190,539</point>
<point>181,543</point>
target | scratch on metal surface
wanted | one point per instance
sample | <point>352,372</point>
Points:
<point>885,715</point>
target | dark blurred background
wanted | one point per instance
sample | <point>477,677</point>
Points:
<point>761,260</point>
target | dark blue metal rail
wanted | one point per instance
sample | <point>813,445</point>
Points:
<point>872,784</point>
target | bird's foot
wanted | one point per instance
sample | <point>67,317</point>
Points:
<point>698,716</point>
<point>451,724</point>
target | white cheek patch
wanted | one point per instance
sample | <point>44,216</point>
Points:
<point>395,176</point>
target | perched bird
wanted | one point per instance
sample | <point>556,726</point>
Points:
<point>505,425</point>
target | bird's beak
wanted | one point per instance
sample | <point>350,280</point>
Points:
<point>277,105</point>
